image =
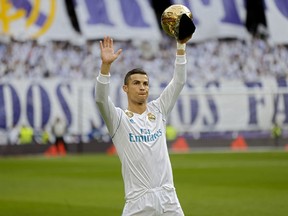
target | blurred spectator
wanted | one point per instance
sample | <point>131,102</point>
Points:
<point>41,136</point>
<point>13,135</point>
<point>26,135</point>
<point>276,134</point>
<point>171,133</point>
<point>59,130</point>
<point>95,134</point>
<point>45,137</point>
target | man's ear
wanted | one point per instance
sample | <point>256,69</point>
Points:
<point>125,88</point>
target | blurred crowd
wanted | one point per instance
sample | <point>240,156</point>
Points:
<point>210,60</point>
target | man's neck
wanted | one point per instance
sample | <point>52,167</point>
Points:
<point>137,108</point>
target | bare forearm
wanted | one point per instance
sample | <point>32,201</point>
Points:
<point>105,68</point>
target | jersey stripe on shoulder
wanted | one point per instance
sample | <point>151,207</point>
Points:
<point>120,119</point>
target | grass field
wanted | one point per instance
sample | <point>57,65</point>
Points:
<point>208,184</point>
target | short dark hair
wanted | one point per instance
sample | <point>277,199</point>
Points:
<point>134,71</point>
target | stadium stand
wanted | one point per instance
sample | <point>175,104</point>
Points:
<point>227,59</point>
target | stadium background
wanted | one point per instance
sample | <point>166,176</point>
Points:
<point>236,90</point>
<point>237,70</point>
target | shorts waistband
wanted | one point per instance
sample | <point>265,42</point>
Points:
<point>150,190</point>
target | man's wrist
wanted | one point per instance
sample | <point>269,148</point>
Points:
<point>105,68</point>
<point>181,46</point>
<point>103,78</point>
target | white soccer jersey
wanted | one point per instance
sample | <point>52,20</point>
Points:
<point>140,139</point>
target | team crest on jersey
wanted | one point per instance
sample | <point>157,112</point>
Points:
<point>129,114</point>
<point>151,116</point>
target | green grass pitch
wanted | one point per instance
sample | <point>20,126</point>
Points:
<point>208,184</point>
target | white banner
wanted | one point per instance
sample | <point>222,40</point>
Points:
<point>277,18</point>
<point>132,19</point>
<point>211,107</point>
<point>125,19</point>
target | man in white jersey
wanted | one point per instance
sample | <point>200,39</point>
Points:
<point>138,134</point>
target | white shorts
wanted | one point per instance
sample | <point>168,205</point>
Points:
<point>155,202</point>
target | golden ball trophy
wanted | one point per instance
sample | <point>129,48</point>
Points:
<point>177,22</point>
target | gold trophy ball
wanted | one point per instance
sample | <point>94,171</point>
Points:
<point>170,18</point>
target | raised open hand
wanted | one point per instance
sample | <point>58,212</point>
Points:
<point>107,51</point>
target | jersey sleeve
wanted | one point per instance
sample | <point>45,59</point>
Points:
<point>170,94</point>
<point>105,106</point>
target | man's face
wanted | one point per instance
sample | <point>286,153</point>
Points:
<point>137,88</point>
